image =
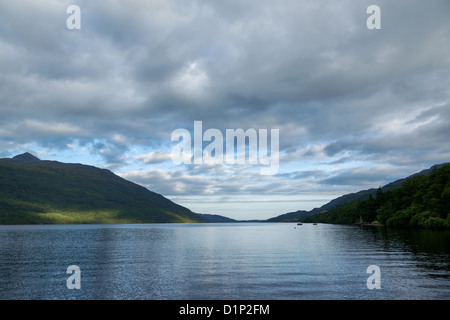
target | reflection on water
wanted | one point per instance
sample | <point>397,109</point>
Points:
<point>222,261</point>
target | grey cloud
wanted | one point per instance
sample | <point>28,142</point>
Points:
<point>140,69</point>
<point>372,177</point>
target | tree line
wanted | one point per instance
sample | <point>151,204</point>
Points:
<point>423,201</point>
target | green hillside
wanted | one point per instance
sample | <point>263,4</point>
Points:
<point>49,192</point>
<point>422,201</point>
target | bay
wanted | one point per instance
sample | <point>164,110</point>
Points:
<point>224,261</point>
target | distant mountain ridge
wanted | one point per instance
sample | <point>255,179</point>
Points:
<point>360,195</point>
<point>26,157</point>
<point>35,191</point>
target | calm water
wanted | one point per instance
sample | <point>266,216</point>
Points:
<point>222,261</point>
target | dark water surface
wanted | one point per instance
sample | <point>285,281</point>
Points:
<point>223,261</point>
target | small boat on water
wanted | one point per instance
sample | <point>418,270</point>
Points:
<point>315,224</point>
<point>299,224</point>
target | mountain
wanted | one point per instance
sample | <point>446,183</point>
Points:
<point>35,191</point>
<point>290,216</point>
<point>25,158</point>
<point>351,197</point>
<point>422,201</point>
<point>215,218</point>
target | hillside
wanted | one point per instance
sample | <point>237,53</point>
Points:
<point>290,216</point>
<point>422,201</point>
<point>35,191</point>
<point>300,215</point>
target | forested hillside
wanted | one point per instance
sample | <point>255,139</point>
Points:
<point>423,201</point>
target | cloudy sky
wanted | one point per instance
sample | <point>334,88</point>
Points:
<point>355,108</point>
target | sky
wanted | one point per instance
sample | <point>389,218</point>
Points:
<point>355,107</point>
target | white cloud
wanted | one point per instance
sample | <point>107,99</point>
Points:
<point>155,157</point>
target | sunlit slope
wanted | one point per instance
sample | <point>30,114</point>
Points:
<point>34,191</point>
